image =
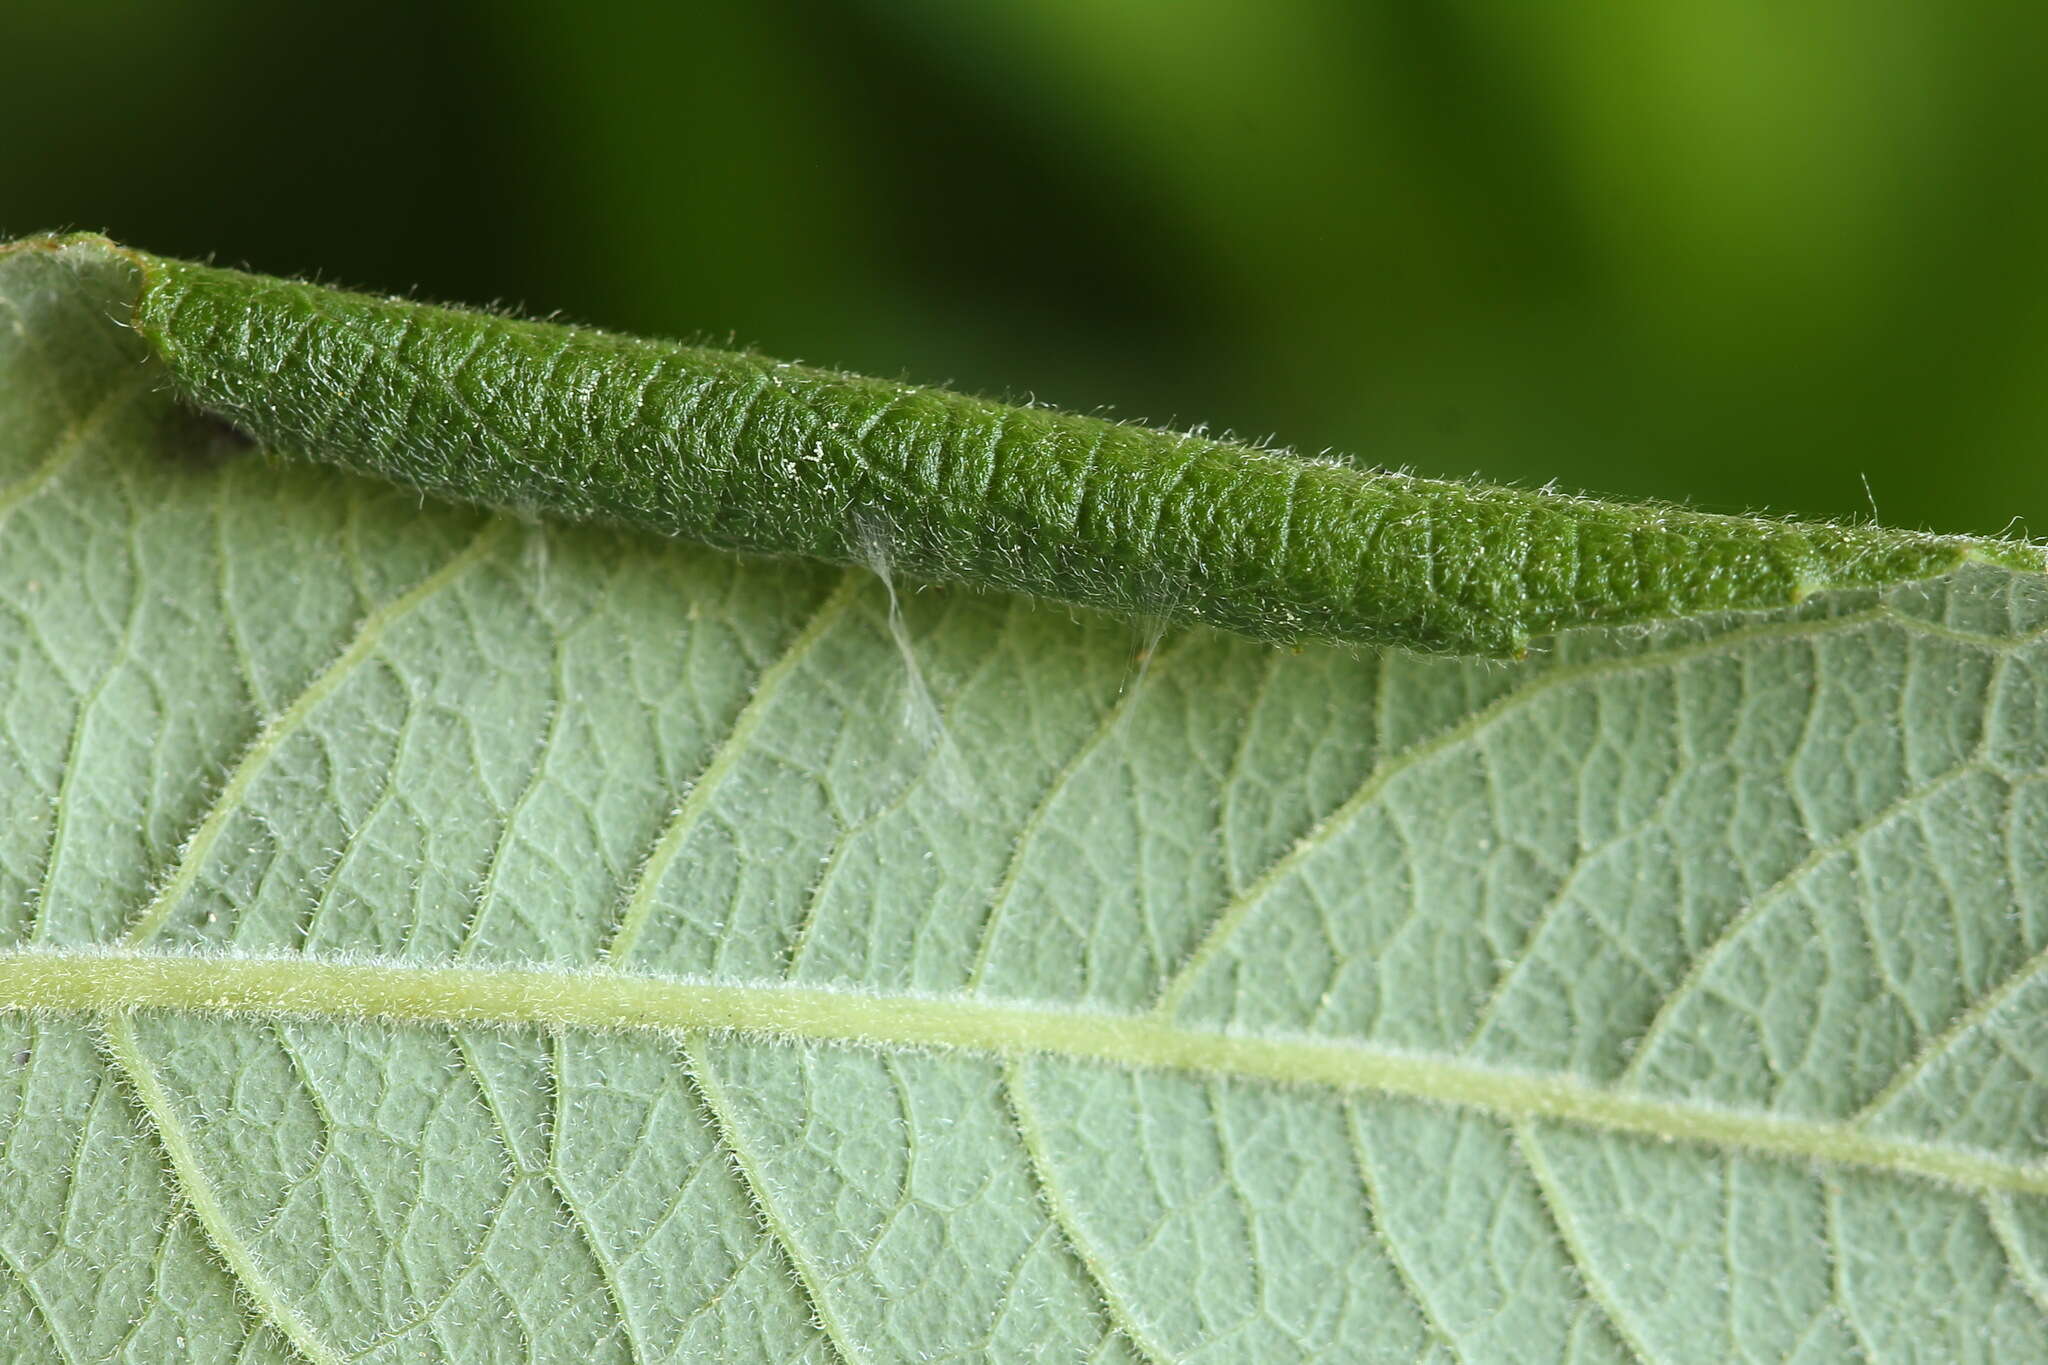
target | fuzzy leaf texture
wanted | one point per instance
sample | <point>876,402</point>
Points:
<point>433,934</point>
<point>754,454</point>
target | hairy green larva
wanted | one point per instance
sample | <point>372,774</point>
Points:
<point>752,454</point>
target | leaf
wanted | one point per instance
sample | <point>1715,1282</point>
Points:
<point>438,936</point>
<point>747,453</point>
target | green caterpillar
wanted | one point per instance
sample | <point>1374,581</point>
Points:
<point>757,455</point>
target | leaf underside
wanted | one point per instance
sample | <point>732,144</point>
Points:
<point>439,936</point>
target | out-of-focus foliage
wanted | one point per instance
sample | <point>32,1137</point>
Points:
<point>1740,254</point>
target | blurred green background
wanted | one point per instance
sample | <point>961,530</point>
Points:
<point>1741,254</point>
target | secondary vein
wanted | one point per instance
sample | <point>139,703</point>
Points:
<point>228,801</point>
<point>192,1182</point>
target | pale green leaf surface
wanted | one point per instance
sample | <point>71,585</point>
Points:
<point>1677,995</point>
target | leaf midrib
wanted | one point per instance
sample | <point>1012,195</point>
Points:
<point>102,983</point>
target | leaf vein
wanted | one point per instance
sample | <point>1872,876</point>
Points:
<point>1522,1138</point>
<point>1032,1134</point>
<point>193,853</point>
<point>640,901</point>
<point>1227,920</point>
<point>508,831</point>
<point>183,1165</point>
<point>2012,1245</point>
<point>586,1231</point>
<point>1108,724</point>
<point>1961,1028</point>
<point>1375,1208</point>
<point>72,444</point>
<point>96,982</point>
<point>809,1276</point>
<point>37,1304</point>
<point>1695,974</point>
